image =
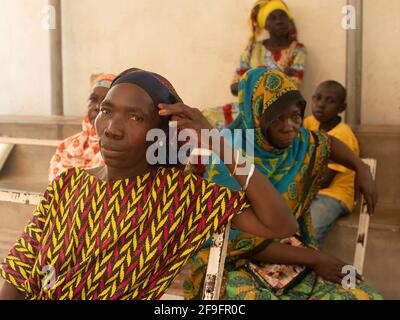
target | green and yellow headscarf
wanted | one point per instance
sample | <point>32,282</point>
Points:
<point>295,171</point>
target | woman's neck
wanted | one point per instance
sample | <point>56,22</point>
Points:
<point>328,126</point>
<point>277,42</point>
<point>110,173</point>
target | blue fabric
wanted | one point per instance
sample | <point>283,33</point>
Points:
<point>280,166</point>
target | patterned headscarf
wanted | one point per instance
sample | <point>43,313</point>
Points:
<point>104,80</point>
<point>157,87</point>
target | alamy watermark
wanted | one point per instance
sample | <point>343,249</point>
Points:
<point>349,21</point>
<point>183,147</point>
<point>350,279</point>
<point>49,279</point>
<point>49,18</point>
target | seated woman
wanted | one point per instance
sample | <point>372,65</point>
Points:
<point>125,230</point>
<point>294,159</point>
<point>281,51</point>
<point>82,149</point>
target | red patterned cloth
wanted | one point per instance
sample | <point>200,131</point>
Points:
<point>126,239</point>
<point>82,150</point>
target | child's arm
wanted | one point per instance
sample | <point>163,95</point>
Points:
<point>343,155</point>
<point>328,177</point>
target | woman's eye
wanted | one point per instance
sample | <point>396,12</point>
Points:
<point>274,122</point>
<point>104,111</point>
<point>136,118</point>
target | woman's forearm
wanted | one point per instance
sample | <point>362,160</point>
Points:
<point>285,254</point>
<point>268,205</point>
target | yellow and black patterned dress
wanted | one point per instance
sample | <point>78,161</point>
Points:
<point>126,239</point>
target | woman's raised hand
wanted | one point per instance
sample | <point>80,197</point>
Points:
<point>185,116</point>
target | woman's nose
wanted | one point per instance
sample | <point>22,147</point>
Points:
<point>288,125</point>
<point>114,129</point>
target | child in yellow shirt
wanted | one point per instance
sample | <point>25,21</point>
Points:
<point>336,197</point>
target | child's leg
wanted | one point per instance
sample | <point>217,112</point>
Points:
<point>324,213</point>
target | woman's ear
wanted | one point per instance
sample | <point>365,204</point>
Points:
<point>343,107</point>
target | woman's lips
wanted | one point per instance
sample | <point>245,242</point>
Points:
<point>109,151</point>
<point>318,113</point>
<point>287,140</point>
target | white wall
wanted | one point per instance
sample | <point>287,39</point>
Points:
<point>195,44</point>
<point>320,30</point>
<point>24,58</point>
<point>381,63</point>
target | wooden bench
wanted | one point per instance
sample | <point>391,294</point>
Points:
<point>363,225</point>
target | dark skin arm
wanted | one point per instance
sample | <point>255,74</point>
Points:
<point>235,89</point>
<point>268,216</point>
<point>328,177</point>
<point>9,292</point>
<point>343,155</point>
<point>326,266</point>
<point>289,72</point>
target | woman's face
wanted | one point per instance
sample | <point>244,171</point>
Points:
<point>283,130</point>
<point>95,99</point>
<point>278,23</point>
<point>126,115</point>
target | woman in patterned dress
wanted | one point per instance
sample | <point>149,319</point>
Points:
<point>280,51</point>
<point>125,230</point>
<point>294,159</point>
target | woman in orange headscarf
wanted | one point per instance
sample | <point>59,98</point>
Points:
<point>82,149</point>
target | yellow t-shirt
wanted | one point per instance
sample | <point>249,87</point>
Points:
<point>342,186</point>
